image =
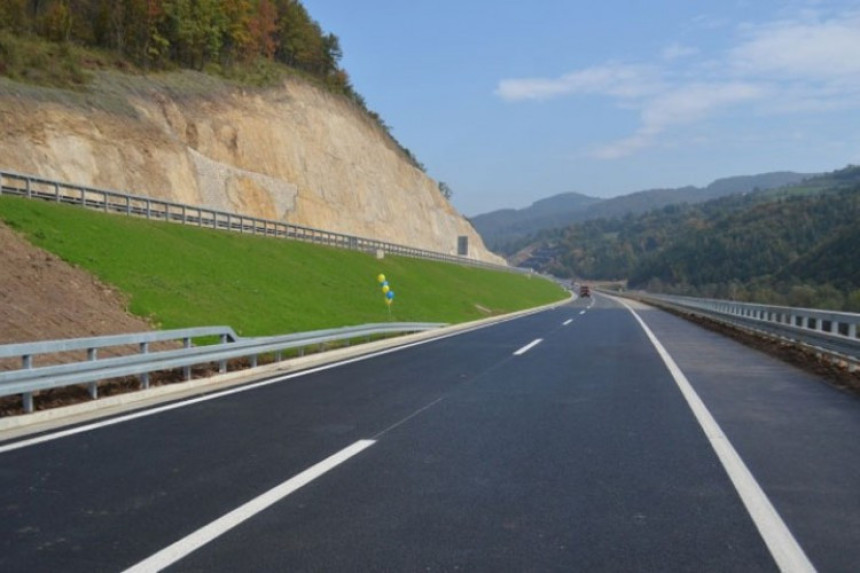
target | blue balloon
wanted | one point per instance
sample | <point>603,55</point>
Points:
<point>389,294</point>
<point>384,283</point>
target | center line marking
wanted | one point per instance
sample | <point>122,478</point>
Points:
<point>173,553</point>
<point>581,312</point>
<point>528,346</point>
<point>566,322</point>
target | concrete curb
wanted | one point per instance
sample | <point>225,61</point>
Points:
<point>14,426</point>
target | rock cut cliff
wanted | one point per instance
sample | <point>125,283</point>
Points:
<point>294,153</point>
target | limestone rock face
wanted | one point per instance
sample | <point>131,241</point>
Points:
<point>293,153</point>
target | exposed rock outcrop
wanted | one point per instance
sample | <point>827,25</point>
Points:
<point>293,153</point>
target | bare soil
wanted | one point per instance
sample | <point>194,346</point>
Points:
<point>44,298</point>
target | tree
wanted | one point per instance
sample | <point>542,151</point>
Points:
<point>264,30</point>
<point>196,30</point>
<point>13,14</point>
<point>445,190</point>
<point>57,22</point>
<point>238,42</point>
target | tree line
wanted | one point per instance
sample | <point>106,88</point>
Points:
<point>156,34</point>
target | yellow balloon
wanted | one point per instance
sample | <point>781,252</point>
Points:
<point>381,278</point>
<point>385,289</point>
<point>388,301</point>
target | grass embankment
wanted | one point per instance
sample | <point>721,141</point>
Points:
<point>180,276</point>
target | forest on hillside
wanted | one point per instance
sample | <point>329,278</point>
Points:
<point>223,37</point>
<point>792,247</point>
<point>155,34</point>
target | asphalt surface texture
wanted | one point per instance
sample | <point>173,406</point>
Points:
<point>578,453</point>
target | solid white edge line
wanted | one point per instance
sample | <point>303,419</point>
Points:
<point>784,548</point>
<point>528,346</point>
<point>176,551</point>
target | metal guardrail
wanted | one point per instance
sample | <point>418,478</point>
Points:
<point>151,208</point>
<point>835,333</point>
<point>29,379</point>
<point>27,350</point>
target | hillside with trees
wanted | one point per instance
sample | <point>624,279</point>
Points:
<point>795,245</point>
<point>59,43</point>
<point>506,231</point>
<point>158,34</point>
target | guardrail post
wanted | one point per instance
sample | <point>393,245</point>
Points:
<point>222,365</point>
<point>93,354</point>
<point>27,397</point>
<point>852,330</point>
<point>29,188</point>
<point>57,191</point>
<point>144,377</point>
<point>186,370</point>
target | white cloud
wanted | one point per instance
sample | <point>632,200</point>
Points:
<point>811,50</point>
<point>622,81</point>
<point>815,62</point>
<point>691,103</point>
<point>810,63</point>
<point>680,106</point>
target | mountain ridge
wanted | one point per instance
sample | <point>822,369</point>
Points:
<point>504,228</point>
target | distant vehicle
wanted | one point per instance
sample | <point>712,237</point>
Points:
<point>584,291</point>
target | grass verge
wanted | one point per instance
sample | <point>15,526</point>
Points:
<point>180,276</point>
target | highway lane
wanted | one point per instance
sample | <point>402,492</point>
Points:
<point>797,434</point>
<point>579,453</point>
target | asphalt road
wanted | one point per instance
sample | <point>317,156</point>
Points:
<point>485,451</point>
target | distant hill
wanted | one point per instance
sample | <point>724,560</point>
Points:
<point>555,211</point>
<point>504,230</point>
<point>794,245</point>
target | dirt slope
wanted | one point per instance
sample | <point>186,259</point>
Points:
<point>44,298</point>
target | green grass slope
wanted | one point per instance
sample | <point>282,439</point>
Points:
<point>180,276</point>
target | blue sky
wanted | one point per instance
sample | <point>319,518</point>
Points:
<point>509,102</point>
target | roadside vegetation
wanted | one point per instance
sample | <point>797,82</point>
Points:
<point>68,44</point>
<point>181,276</point>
